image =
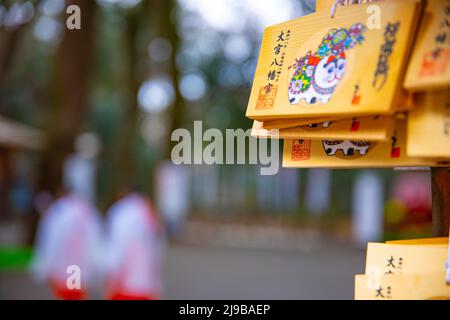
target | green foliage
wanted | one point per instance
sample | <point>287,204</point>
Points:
<point>12,258</point>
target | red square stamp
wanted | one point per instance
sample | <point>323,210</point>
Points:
<point>356,100</point>
<point>266,97</point>
<point>355,125</point>
<point>435,63</point>
<point>395,152</point>
<point>301,150</point>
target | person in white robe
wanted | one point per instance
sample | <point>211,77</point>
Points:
<point>68,250</point>
<point>134,250</point>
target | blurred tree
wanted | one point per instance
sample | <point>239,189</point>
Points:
<point>150,20</point>
<point>125,150</point>
<point>9,41</point>
<point>166,27</point>
<point>70,94</point>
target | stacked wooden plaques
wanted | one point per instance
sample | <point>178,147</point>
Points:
<point>407,269</point>
<point>366,86</point>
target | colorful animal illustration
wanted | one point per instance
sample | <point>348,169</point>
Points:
<point>348,147</point>
<point>317,74</point>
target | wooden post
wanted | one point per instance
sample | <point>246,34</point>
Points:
<point>440,187</point>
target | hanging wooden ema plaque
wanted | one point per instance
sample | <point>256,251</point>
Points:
<point>306,153</point>
<point>405,269</point>
<point>366,128</point>
<point>430,62</point>
<point>429,126</point>
<point>346,65</point>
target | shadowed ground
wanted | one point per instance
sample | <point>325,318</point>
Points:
<point>324,271</point>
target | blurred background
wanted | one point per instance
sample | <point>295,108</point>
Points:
<point>94,108</point>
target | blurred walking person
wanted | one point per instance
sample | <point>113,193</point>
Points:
<point>68,247</point>
<point>134,241</point>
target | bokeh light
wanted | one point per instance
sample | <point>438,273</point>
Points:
<point>156,94</point>
<point>193,86</point>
